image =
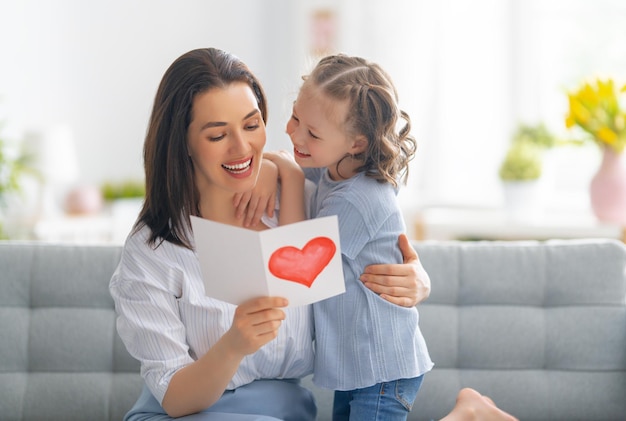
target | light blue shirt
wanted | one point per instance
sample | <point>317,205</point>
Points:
<point>362,339</point>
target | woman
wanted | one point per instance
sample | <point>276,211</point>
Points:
<point>198,355</point>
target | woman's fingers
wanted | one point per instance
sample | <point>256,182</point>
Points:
<point>408,252</point>
<point>256,322</point>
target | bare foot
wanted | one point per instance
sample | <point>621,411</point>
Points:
<point>472,406</point>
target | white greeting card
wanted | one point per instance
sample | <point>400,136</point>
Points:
<point>301,261</point>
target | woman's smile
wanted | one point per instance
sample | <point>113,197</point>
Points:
<point>238,169</point>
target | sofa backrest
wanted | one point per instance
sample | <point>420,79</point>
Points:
<point>540,327</point>
<point>60,355</point>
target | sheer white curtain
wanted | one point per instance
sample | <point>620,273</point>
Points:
<point>561,43</point>
<point>469,72</point>
<point>451,64</point>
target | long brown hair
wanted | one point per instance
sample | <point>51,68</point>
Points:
<point>373,112</point>
<point>171,193</point>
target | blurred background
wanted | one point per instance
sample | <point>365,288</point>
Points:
<point>77,80</point>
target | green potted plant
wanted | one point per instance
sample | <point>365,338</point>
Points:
<point>524,159</point>
<point>522,162</point>
<point>522,168</point>
<point>14,164</point>
<point>125,199</point>
<point>128,189</point>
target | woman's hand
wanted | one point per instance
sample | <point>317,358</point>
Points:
<point>404,284</point>
<point>200,384</point>
<point>256,322</point>
<point>252,204</point>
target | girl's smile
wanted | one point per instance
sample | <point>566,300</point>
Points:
<point>300,154</point>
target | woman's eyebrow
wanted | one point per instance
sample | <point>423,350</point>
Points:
<point>213,124</point>
<point>223,123</point>
<point>251,113</point>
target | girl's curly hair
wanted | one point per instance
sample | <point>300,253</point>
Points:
<point>373,112</point>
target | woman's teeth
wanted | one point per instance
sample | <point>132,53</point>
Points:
<point>238,168</point>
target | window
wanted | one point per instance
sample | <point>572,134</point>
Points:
<point>469,72</point>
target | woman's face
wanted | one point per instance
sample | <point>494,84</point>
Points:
<point>225,138</point>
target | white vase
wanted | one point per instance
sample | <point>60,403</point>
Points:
<point>124,213</point>
<point>523,200</point>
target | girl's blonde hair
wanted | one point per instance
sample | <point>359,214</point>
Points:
<point>373,112</point>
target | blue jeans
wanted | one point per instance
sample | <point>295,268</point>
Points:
<point>382,402</point>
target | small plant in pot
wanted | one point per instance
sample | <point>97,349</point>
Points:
<point>125,199</point>
<point>128,189</point>
<point>522,163</point>
<point>15,165</point>
<point>522,168</point>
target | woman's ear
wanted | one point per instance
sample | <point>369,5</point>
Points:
<point>359,145</point>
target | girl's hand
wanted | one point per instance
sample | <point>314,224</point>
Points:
<point>404,284</point>
<point>256,322</point>
<point>292,206</point>
<point>252,204</point>
<point>287,165</point>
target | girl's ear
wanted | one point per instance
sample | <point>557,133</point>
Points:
<point>359,145</point>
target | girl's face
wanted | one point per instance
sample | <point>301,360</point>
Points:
<point>225,139</point>
<point>317,133</point>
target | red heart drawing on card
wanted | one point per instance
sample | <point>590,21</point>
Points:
<point>302,266</point>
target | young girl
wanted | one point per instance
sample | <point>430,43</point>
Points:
<point>344,132</point>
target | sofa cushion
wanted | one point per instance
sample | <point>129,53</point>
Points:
<point>60,355</point>
<point>538,326</point>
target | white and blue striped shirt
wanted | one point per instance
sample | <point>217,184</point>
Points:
<point>166,321</point>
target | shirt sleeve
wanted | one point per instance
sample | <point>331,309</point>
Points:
<point>313,174</point>
<point>354,232</point>
<point>145,293</point>
<point>363,206</point>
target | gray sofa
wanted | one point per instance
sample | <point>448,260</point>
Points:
<point>538,326</point>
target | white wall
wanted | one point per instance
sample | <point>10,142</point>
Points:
<point>448,59</point>
<point>95,66</point>
<point>466,72</point>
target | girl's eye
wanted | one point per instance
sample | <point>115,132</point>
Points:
<point>312,135</point>
<point>294,118</point>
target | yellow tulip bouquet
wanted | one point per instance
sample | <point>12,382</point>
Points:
<point>595,108</point>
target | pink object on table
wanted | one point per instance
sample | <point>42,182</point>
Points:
<point>608,188</point>
<point>84,200</point>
